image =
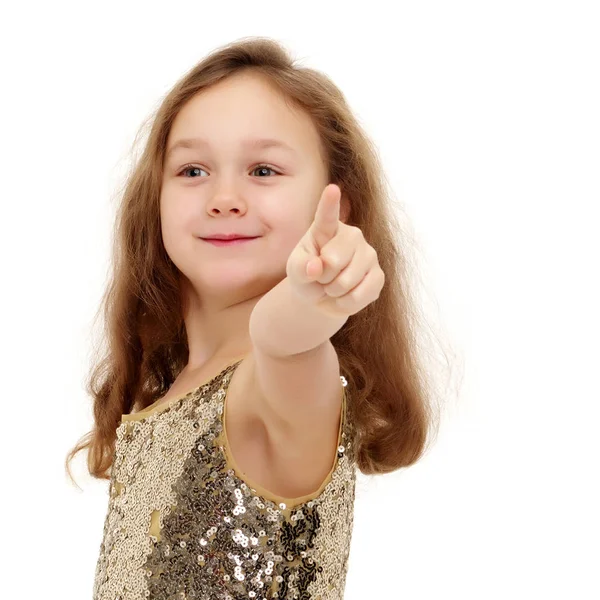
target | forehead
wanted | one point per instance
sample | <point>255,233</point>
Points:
<point>244,107</point>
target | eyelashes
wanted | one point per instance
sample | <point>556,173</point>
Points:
<point>191,166</point>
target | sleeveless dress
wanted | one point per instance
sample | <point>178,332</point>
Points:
<point>184,523</point>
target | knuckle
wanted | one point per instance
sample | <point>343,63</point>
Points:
<point>344,281</point>
<point>332,259</point>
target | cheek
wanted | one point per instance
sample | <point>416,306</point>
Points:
<point>176,229</point>
<point>289,215</point>
<point>284,237</point>
<point>177,213</point>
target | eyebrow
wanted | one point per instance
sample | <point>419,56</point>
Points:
<point>253,144</point>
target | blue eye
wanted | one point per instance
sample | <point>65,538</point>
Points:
<point>190,167</point>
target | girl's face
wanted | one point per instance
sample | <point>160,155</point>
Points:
<point>218,179</point>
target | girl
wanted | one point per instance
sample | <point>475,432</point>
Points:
<point>229,437</point>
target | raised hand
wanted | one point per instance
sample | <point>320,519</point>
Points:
<point>332,266</point>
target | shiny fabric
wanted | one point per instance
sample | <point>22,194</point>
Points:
<point>183,524</point>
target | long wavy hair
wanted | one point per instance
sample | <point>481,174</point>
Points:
<point>393,402</point>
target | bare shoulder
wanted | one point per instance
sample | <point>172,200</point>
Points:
<point>297,401</point>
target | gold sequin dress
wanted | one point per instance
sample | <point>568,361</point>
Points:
<point>183,523</point>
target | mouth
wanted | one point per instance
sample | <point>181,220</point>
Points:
<point>230,242</point>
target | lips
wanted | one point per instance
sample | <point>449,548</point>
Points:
<point>230,242</point>
<point>229,237</point>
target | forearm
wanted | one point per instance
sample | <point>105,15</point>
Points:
<point>282,324</point>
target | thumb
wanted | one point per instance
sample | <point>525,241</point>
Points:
<point>304,264</point>
<point>314,268</point>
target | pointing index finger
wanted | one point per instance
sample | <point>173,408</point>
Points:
<point>327,215</point>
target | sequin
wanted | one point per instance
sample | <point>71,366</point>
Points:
<point>182,523</point>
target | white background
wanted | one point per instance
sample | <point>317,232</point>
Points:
<point>486,116</point>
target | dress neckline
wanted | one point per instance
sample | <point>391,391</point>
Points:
<point>156,407</point>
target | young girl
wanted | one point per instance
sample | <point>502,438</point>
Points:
<point>260,341</point>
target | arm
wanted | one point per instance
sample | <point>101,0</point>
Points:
<point>294,367</point>
<point>294,386</point>
<point>282,324</point>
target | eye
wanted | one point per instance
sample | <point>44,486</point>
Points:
<point>189,168</point>
<point>267,167</point>
<point>194,167</point>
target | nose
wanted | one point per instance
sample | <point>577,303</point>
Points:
<point>226,204</point>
